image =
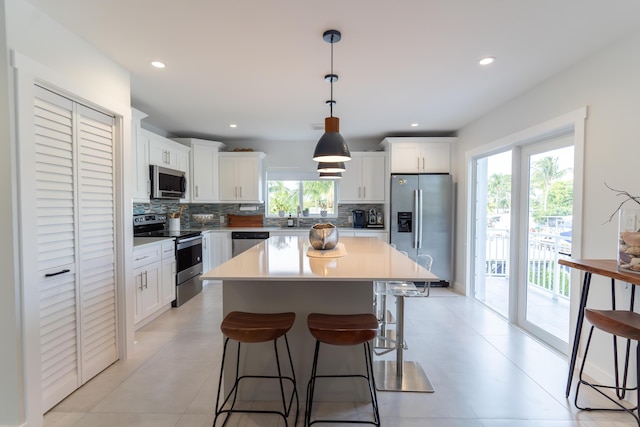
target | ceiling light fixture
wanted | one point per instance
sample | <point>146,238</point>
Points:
<point>331,167</point>
<point>158,64</point>
<point>331,147</point>
<point>486,61</point>
<point>330,175</point>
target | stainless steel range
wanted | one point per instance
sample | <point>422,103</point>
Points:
<point>188,253</point>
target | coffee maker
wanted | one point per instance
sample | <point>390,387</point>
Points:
<point>358,218</point>
<point>375,219</point>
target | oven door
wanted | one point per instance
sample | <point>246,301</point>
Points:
<point>189,268</point>
<point>188,254</point>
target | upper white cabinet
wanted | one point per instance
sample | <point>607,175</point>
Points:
<point>140,152</point>
<point>365,178</point>
<point>204,169</point>
<point>167,153</point>
<point>419,155</point>
<point>241,176</point>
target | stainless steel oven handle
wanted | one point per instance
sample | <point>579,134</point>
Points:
<point>191,241</point>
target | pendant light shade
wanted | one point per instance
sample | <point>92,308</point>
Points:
<point>331,167</point>
<point>330,175</point>
<point>331,147</point>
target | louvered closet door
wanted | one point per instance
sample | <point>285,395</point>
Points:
<point>75,232</point>
<point>55,228</point>
<point>97,246</point>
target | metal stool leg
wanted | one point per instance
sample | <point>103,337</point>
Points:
<point>617,388</point>
<point>370,382</point>
<point>286,407</point>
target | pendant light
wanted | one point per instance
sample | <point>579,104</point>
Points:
<point>330,175</point>
<point>331,167</point>
<point>331,147</point>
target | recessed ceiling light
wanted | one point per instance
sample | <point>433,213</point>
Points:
<point>488,60</point>
<point>157,64</point>
<point>233,125</point>
<point>415,125</point>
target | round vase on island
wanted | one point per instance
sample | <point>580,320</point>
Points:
<point>323,236</point>
<point>629,240</point>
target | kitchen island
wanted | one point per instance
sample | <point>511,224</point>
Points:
<point>278,275</point>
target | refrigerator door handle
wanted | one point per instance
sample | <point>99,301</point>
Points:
<point>416,216</point>
<point>419,234</point>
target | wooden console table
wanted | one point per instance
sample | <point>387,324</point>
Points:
<point>602,267</point>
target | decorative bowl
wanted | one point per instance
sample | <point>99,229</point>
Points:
<point>323,236</point>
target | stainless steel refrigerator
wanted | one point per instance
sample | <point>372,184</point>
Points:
<point>422,219</point>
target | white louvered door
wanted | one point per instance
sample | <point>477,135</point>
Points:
<point>76,251</point>
<point>96,220</point>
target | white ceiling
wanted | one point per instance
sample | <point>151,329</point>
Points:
<point>261,64</point>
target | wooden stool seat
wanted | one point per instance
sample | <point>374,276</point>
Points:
<point>256,327</point>
<point>342,329</point>
<point>616,322</point>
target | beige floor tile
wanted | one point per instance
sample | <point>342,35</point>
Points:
<point>486,374</point>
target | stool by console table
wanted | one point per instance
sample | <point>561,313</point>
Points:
<point>602,267</point>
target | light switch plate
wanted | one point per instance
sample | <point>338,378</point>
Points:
<point>221,219</point>
<point>350,219</point>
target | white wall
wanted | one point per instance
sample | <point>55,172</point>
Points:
<point>608,83</point>
<point>11,386</point>
<point>54,55</point>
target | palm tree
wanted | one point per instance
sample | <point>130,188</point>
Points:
<point>499,190</point>
<point>545,172</point>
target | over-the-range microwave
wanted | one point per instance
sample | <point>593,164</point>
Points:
<point>167,183</point>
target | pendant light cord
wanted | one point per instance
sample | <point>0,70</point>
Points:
<point>332,78</point>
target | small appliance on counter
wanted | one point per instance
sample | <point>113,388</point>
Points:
<point>358,218</point>
<point>374,219</point>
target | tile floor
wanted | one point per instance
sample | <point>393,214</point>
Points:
<point>485,372</point>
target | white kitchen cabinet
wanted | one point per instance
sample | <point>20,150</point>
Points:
<point>365,178</point>
<point>419,155</point>
<point>147,272</point>
<point>168,278</point>
<point>363,232</point>
<point>204,169</point>
<point>167,153</point>
<point>154,270</point>
<point>141,190</point>
<point>148,292</point>
<point>240,176</point>
<point>216,249</point>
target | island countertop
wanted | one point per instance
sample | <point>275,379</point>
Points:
<point>284,258</point>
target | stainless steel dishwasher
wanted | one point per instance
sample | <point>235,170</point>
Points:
<point>243,240</point>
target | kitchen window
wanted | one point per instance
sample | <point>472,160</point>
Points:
<point>313,198</point>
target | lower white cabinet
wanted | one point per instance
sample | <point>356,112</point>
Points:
<point>154,277</point>
<point>168,272</point>
<point>216,249</point>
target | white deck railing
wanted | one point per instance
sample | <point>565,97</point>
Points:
<point>544,251</point>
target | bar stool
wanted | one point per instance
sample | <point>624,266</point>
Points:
<point>343,330</point>
<point>619,323</point>
<point>257,328</point>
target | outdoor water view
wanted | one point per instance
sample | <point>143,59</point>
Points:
<point>548,217</point>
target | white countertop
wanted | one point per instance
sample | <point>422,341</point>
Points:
<point>141,241</point>
<point>284,258</point>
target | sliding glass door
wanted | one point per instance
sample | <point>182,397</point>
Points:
<point>547,198</point>
<point>522,219</point>
<point>493,231</point>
